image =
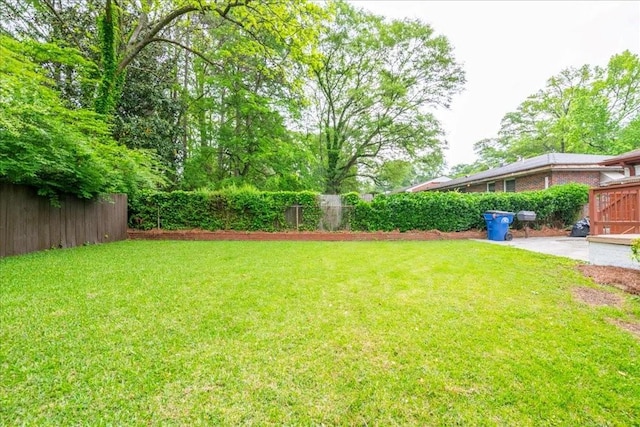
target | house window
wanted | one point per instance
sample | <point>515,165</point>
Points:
<point>491,187</point>
<point>509,185</point>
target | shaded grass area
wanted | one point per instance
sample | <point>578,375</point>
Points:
<point>345,333</point>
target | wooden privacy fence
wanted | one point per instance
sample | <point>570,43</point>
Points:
<point>615,209</point>
<point>30,223</point>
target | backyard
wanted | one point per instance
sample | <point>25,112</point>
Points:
<point>312,333</point>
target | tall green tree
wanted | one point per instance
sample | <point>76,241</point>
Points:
<point>150,109</point>
<point>240,104</point>
<point>144,76</point>
<point>375,92</point>
<point>128,29</point>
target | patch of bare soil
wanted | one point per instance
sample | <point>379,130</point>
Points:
<point>626,279</point>
<point>632,327</point>
<point>622,278</point>
<point>597,298</point>
<point>197,234</point>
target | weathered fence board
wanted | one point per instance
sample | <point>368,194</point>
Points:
<point>30,223</point>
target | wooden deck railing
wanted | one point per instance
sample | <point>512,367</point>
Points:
<point>615,209</point>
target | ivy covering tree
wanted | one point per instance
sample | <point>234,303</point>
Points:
<point>273,94</point>
<point>375,92</point>
<point>45,144</point>
<point>159,65</point>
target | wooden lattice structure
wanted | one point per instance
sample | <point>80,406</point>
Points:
<point>615,209</point>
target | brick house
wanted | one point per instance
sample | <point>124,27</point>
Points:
<point>537,173</point>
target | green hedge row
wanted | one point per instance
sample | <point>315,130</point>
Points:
<point>453,211</point>
<point>253,210</point>
<point>224,210</point>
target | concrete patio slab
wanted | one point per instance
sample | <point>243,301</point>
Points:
<point>569,247</point>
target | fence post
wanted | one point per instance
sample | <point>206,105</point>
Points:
<point>592,211</point>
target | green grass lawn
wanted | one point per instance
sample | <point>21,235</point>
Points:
<point>309,333</point>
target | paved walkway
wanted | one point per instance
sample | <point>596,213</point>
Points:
<point>569,247</point>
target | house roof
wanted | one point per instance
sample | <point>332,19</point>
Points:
<point>544,161</point>
<point>427,184</point>
<point>632,157</point>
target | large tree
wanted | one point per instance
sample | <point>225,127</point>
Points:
<point>375,91</point>
<point>160,66</point>
<point>239,105</point>
<point>128,29</point>
<point>149,111</point>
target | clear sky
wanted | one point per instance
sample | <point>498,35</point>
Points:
<point>510,48</point>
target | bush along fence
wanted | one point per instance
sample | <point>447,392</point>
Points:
<point>276,211</point>
<point>453,211</point>
<point>226,210</point>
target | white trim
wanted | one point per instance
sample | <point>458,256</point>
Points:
<point>546,182</point>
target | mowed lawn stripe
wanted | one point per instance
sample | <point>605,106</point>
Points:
<point>309,333</point>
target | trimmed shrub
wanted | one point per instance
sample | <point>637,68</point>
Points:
<point>635,250</point>
<point>454,211</point>
<point>244,209</point>
<point>253,210</point>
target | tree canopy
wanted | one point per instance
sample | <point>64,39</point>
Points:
<point>374,93</point>
<point>591,109</point>
<point>45,144</point>
<point>274,94</point>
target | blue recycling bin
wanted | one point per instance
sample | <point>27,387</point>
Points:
<point>498,225</point>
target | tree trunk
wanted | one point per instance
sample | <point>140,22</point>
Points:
<point>105,103</point>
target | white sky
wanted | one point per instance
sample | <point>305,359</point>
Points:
<point>510,48</point>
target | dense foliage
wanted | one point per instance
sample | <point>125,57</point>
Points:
<point>454,211</point>
<point>248,209</point>
<point>45,144</point>
<point>232,93</point>
<point>375,91</point>
<point>231,209</point>
<point>275,94</point>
